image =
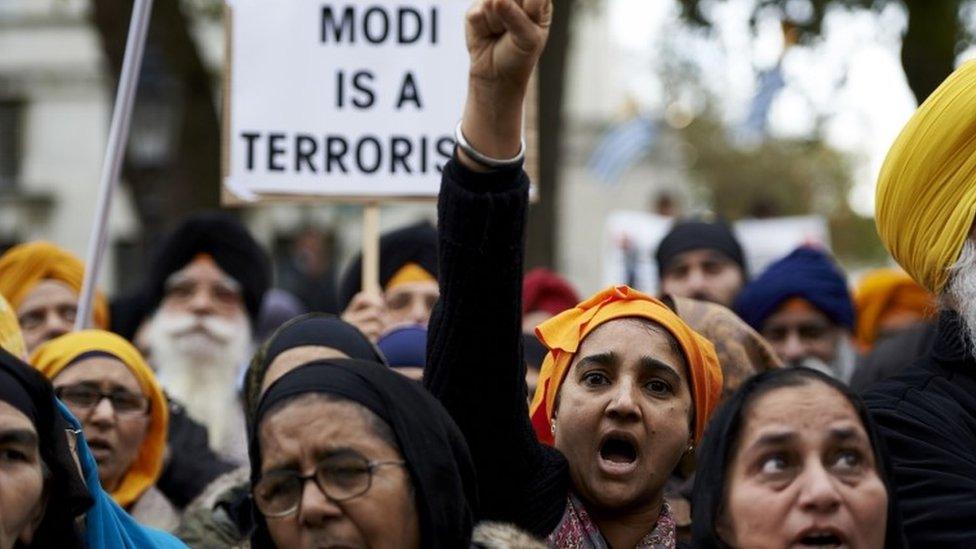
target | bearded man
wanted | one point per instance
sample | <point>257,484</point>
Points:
<point>925,203</point>
<point>702,260</point>
<point>801,305</point>
<point>205,287</point>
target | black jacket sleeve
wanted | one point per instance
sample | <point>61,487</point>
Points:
<point>474,362</point>
<point>931,439</point>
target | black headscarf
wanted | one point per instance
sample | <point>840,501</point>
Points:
<point>693,234</point>
<point>230,245</point>
<point>413,244</point>
<point>67,497</point>
<point>437,457</point>
<point>314,329</point>
<point>722,437</point>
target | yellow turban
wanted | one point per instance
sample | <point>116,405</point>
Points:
<point>23,266</point>
<point>57,354</point>
<point>926,195</point>
<point>11,340</point>
<point>883,293</point>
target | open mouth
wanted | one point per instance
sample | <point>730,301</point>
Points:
<point>821,539</point>
<point>618,450</point>
<point>99,448</point>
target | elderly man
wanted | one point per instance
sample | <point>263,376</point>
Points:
<point>408,280</point>
<point>41,282</point>
<point>802,306</point>
<point>926,198</point>
<point>701,260</point>
<point>205,288</point>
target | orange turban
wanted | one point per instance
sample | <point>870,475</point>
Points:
<point>57,354</point>
<point>23,266</point>
<point>885,292</point>
<point>563,334</point>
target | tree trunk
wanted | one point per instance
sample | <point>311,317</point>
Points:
<point>189,178</point>
<point>542,227</point>
<point>928,52</point>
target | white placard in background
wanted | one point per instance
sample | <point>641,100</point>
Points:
<point>352,100</point>
<point>631,239</point>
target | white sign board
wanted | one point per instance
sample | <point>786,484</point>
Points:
<point>631,239</point>
<point>348,100</point>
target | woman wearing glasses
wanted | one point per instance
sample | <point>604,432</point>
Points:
<point>348,453</point>
<point>109,388</point>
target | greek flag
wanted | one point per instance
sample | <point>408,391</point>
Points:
<point>771,82</point>
<point>621,147</point>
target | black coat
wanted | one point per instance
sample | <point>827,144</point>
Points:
<point>927,416</point>
<point>474,347</point>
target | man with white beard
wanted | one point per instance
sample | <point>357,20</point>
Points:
<point>206,286</point>
<point>925,205</point>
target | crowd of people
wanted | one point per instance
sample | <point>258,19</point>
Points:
<point>467,403</point>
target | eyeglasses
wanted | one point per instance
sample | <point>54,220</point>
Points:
<point>340,477</point>
<point>85,398</point>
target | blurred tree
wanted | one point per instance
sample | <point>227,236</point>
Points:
<point>934,37</point>
<point>176,100</point>
<point>778,177</point>
<point>542,238</point>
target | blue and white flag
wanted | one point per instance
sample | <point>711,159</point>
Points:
<point>771,82</point>
<point>622,146</point>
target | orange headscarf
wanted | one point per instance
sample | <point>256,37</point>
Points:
<point>23,266</point>
<point>884,292</point>
<point>563,334</point>
<point>57,354</point>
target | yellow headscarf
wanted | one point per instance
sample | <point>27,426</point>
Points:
<point>11,338</point>
<point>926,195</point>
<point>23,266</point>
<point>563,333</point>
<point>883,292</point>
<point>57,354</point>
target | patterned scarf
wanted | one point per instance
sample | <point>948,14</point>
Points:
<point>577,531</point>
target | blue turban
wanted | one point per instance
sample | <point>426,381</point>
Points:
<point>807,273</point>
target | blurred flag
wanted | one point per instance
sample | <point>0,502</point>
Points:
<point>771,82</point>
<point>622,146</point>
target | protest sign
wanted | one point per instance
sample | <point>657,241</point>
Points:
<point>341,100</point>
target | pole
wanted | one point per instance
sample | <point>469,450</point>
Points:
<point>118,137</point>
<point>371,248</point>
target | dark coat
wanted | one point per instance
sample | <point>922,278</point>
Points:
<point>927,416</point>
<point>893,354</point>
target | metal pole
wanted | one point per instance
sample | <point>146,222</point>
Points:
<point>118,137</point>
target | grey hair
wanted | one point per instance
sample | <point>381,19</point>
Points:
<point>959,294</point>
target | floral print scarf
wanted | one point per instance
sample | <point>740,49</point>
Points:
<point>577,531</point>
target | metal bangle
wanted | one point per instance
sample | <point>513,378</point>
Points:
<point>484,160</point>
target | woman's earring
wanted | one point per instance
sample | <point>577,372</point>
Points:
<point>552,426</point>
<point>691,447</point>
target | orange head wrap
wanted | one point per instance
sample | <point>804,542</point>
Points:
<point>57,354</point>
<point>23,266</point>
<point>885,292</point>
<point>563,334</point>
